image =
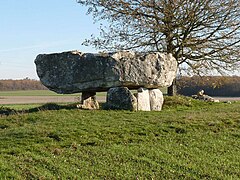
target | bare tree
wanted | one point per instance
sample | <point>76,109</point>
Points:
<point>201,34</point>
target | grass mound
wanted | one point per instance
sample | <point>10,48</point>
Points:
<point>183,101</point>
<point>44,107</point>
<point>52,106</point>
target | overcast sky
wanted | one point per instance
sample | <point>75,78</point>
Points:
<point>32,27</point>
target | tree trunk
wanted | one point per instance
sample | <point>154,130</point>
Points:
<point>172,90</point>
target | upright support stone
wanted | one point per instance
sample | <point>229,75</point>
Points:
<point>88,101</point>
<point>121,98</point>
<point>143,102</point>
<point>156,99</point>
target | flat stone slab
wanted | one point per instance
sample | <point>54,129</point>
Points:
<point>74,71</point>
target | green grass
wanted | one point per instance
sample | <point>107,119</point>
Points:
<point>187,140</point>
<point>20,106</point>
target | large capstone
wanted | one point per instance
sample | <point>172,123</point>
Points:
<point>72,72</point>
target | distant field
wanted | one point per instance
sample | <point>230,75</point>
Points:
<point>46,96</point>
<point>39,93</point>
<point>40,97</point>
<point>47,93</point>
<point>31,93</point>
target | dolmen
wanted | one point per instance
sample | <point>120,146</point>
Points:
<point>117,73</point>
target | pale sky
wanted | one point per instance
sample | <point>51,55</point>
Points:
<point>32,27</point>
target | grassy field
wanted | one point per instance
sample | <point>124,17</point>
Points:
<point>30,93</point>
<point>187,140</point>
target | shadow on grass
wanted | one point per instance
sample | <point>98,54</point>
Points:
<point>49,106</point>
<point>45,107</point>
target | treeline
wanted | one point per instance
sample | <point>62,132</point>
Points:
<point>212,85</point>
<point>24,84</point>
